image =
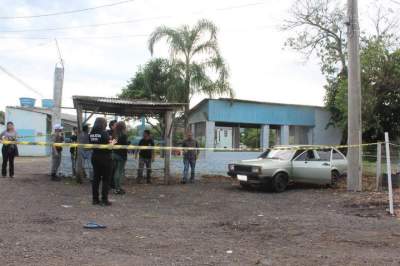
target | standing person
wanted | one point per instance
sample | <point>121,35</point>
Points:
<point>146,156</point>
<point>84,155</point>
<point>189,157</point>
<point>9,151</point>
<point>120,156</point>
<point>74,150</point>
<point>101,161</point>
<point>111,128</point>
<point>56,151</point>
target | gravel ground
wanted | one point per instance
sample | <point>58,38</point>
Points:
<point>212,222</point>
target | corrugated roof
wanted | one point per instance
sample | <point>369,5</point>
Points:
<point>123,101</point>
<point>123,106</point>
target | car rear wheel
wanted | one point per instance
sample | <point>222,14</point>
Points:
<point>280,182</point>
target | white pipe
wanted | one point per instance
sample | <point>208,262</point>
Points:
<point>389,173</point>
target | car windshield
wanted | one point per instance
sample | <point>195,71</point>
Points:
<point>278,154</point>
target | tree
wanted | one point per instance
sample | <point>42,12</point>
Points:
<point>319,28</point>
<point>195,54</point>
<point>158,80</point>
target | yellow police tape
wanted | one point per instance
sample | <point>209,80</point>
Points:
<point>136,147</point>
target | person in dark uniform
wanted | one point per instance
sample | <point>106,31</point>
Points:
<point>9,151</point>
<point>146,157</point>
<point>101,161</point>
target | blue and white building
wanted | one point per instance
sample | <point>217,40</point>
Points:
<point>217,123</point>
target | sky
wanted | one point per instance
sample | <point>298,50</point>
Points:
<point>100,60</point>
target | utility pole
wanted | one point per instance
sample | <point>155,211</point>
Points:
<point>354,99</point>
<point>57,89</point>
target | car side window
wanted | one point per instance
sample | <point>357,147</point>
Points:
<point>324,155</point>
<point>306,156</point>
<point>337,156</point>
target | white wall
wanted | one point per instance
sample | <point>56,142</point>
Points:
<point>323,135</point>
<point>32,122</point>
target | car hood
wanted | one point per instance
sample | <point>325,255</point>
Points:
<point>262,162</point>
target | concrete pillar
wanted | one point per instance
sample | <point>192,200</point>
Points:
<point>210,135</point>
<point>285,135</point>
<point>264,137</point>
<point>192,129</point>
<point>310,136</point>
<point>236,137</point>
<point>57,96</point>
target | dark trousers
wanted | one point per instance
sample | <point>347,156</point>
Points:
<point>8,158</point>
<point>144,162</point>
<point>101,173</point>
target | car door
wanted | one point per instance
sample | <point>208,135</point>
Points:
<point>312,166</point>
<point>339,161</point>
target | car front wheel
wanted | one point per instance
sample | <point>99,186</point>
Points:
<point>280,182</point>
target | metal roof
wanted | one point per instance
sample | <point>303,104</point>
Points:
<point>126,107</point>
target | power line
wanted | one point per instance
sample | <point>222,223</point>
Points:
<point>20,81</point>
<point>87,26</point>
<point>227,8</point>
<point>69,11</point>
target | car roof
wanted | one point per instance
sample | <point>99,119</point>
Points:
<point>301,147</point>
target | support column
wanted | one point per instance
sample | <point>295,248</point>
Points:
<point>285,135</point>
<point>310,136</point>
<point>210,136</point>
<point>236,137</point>
<point>264,137</point>
<point>168,143</point>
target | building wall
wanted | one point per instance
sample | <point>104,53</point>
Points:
<point>321,134</point>
<point>29,124</point>
<point>260,113</point>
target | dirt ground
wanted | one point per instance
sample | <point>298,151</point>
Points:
<point>212,222</point>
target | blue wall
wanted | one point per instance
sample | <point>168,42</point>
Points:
<point>260,113</point>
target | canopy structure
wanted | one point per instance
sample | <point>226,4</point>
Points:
<point>132,108</point>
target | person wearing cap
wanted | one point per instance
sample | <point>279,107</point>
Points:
<point>57,137</point>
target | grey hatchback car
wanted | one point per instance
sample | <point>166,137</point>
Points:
<point>279,166</point>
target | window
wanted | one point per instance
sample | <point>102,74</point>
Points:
<point>225,133</point>
<point>324,155</point>
<point>307,156</point>
<point>337,156</point>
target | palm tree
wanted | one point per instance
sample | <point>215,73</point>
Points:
<point>195,52</point>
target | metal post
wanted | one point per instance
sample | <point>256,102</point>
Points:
<point>378,166</point>
<point>168,143</point>
<point>389,173</point>
<point>354,99</point>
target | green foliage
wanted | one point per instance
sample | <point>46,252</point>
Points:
<point>380,76</point>
<point>195,54</point>
<point>319,28</point>
<point>158,80</point>
<point>251,137</point>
